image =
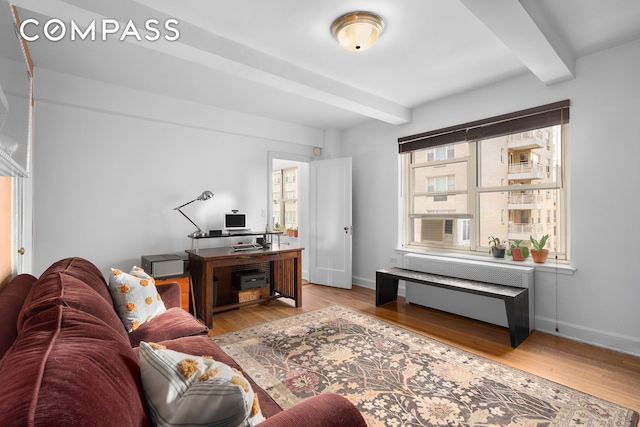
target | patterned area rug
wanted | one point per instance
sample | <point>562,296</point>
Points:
<point>400,378</point>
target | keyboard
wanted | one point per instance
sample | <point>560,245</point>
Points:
<point>246,247</point>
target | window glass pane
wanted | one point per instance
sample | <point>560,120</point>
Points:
<point>447,177</point>
<point>285,195</point>
<point>534,158</point>
<point>449,203</point>
<point>532,213</point>
<point>447,232</point>
<point>446,152</point>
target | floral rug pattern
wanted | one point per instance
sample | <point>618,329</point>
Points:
<point>400,378</point>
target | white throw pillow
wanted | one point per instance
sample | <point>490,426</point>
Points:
<point>184,390</point>
<point>135,297</point>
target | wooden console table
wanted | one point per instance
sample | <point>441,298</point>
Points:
<point>212,273</point>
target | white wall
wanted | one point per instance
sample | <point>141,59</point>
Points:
<point>105,183</point>
<point>599,302</point>
<point>111,163</point>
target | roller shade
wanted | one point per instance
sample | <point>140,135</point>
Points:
<point>519,121</point>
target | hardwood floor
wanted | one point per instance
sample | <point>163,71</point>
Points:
<point>604,373</point>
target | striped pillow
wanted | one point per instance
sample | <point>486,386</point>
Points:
<point>182,389</point>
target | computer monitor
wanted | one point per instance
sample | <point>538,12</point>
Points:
<point>235,221</point>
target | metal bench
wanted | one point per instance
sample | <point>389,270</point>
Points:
<point>516,300</point>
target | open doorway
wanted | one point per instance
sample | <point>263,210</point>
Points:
<point>289,200</point>
<point>285,209</point>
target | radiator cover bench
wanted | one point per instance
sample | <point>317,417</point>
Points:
<point>516,300</point>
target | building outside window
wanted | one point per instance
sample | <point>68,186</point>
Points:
<point>460,193</point>
<point>285,197</point>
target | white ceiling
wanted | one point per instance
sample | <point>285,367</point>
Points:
<point>278,59</point>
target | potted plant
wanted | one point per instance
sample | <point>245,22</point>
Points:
<point>497,248</point>
<point>518,252</point>
<point>538,252</point>
<point>295,231</point>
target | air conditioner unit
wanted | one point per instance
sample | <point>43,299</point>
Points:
<point>437,230</point>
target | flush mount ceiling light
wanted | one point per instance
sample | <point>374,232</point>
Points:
<point>356,31</point>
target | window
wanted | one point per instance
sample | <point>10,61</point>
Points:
<point>285,197</point>
<point>459,191</point>
<point>441,183</point>
<point>290,195</point>
<point>440,153</point>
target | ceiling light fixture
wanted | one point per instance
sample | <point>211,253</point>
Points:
<point>356,31</point>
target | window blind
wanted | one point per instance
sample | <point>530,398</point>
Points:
<point>519,121</point>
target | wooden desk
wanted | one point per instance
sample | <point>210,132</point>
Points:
<point>213,268</point>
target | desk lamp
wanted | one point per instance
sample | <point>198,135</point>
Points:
<point>206,195</point>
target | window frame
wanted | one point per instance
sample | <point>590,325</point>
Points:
<point>469,133</point>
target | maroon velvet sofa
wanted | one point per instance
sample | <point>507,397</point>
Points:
<point>67,360</point>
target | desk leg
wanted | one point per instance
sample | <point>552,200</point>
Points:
<point>215,292</point>
<point>298,279</point>
<point>207,292</point>
<point>386,289</point>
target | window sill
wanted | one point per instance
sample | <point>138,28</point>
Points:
<point>551,266</point>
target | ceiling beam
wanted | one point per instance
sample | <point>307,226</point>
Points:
<point>205,48</point>
<point>525,32</point>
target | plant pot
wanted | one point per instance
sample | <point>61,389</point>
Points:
<point>498,252</point>
<point>295,233</point>
<point>539,256</point>
<point>290,232</point>
<point>516,254</point>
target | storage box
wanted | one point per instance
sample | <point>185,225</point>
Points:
<point>252,294</point>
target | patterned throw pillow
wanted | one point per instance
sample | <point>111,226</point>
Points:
<point>182,389</point>
<point>135,297</point>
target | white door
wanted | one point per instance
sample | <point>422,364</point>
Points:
<point>330,231</point>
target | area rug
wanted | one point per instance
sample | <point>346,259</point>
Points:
<point>400,378</point>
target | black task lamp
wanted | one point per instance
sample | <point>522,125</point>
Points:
<point>206,195</point>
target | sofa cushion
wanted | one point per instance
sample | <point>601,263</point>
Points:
<point>205,346</point>
<point>59,287</point>
<point>170,293</point>
<point>173,323</point>
<point>83,270</point>
<point>12,298</point>
<point>67,368</point>
<point>185,389</point>
<point>135,297</point>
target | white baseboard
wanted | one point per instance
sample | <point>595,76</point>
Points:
<point>604,339</point>
<point>591,336</point>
